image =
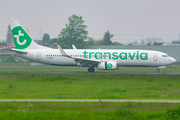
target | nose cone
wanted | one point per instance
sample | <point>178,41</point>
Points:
<point>172,60</point>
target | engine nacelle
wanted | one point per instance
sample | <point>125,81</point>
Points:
<point>110,65</point>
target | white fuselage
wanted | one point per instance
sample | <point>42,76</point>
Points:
<point>123,57</point>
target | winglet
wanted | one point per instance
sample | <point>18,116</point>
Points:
<point>74,47</point>
<point>62,52</point>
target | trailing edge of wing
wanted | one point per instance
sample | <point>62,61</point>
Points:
<point>19,51</point>
<point>79,60</point>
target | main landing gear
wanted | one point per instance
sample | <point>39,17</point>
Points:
<point>91,69</point>
<point>158,70</point>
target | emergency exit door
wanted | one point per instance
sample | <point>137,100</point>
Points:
<point>155,56</point>
<point>38,56</point>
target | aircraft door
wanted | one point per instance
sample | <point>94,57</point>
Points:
<point>155,56</point>
<point>38,56</point>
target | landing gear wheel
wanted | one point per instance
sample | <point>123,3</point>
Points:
<point>91,69</point>
<point>157,70</point>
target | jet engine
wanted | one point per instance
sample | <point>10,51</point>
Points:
<point>109,65</point>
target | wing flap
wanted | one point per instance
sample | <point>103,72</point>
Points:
<point>84,59</point>
<point>86,62</point>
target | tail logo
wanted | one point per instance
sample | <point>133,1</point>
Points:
<point>21,39</point>
<point>17,37</point>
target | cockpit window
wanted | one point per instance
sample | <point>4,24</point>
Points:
<point>165,56</point>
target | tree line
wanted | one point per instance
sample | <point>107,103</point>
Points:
<point>75,33</point>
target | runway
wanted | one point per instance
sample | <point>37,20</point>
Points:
<point>73,72</point>
<point>87,100</point>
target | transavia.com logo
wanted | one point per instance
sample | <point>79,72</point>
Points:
<point>115,55</point>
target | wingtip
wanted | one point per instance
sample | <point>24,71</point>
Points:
<point>73,46</point>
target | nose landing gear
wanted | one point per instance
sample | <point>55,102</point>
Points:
<point>91,69</point>
<point>158,70</point>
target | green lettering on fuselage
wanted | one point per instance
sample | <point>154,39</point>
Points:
<point>123,56</point>
<point>107,53</point>
<point>114,55</point>
<point>90,53</point>
<point>85,54</point>
<point>137,56</point>
<point>144,56</point>
<point>98,55</point>
<point>132,56</point>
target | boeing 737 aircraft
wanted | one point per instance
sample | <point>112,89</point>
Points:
<point>104,59</point>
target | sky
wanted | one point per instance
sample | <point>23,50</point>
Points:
<point>128,20</point>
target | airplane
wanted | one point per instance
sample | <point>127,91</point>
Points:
<point>104,59</point>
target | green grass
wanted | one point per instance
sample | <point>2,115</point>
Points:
<point>170,68</point>
<point>89,86</point>
<point>88,111</point>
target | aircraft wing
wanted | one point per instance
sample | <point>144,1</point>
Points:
<point>86,62</point>
<point>81,61</point>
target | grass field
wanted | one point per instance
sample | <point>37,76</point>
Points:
<point>170,68</point>
<point>89,86</point>
<point>89,111</point>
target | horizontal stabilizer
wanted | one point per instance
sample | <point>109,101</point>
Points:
<point>19,51</point>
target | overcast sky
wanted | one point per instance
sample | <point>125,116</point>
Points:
<point>128,20</point>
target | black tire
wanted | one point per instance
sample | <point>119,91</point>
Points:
<point>91,69</point>
<point>158,70</point>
